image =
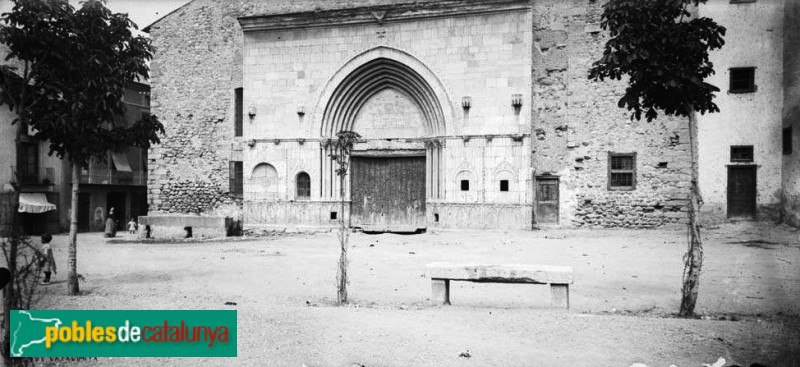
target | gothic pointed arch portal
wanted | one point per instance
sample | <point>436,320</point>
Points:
<point>373,72</point>
<point>383,94</point>
<point>369,80</point>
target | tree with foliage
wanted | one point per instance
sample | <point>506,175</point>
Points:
<point>66,78</point>
<point>342,147</point>
<point>663,51</point>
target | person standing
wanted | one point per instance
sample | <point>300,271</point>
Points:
<point>46,260</point>
<point>111,224</point>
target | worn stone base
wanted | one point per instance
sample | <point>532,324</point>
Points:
<point>479,215</point>
<point>175,226</point>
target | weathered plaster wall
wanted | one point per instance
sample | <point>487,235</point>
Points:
<point>754,38</point>
<point>576,123</point>
<point>791,113</point>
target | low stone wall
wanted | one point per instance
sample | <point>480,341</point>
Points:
<point>631,212</point>
<point>483,215</point>
<point>292,213</point>
<point>175,226</point>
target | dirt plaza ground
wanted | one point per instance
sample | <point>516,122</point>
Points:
<point>626,289</point>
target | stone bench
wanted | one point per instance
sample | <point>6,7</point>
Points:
<point>558,277</point>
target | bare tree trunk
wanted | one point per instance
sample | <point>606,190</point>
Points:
<point>341,277</point>
<point>72,277</point>
<point>693,259</point>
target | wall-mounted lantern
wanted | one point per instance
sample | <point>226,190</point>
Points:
<point>252,111</point>
<point>301,110</point>
<point>251,143</point>
<point>516,100</point>
<point>466,102</point>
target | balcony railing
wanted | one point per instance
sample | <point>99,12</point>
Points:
<point>44,176</point>
<point>109,177</point>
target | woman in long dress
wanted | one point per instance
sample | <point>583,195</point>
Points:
<point>111,224</point>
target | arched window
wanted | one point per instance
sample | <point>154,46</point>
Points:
<point>264,181</point>
<point>303,185</point>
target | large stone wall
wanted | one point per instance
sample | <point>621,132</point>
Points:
<point>576,123</point>
<point>791,113</point>
<point>197,65</point>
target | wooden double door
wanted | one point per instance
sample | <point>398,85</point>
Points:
<point>388,193</point>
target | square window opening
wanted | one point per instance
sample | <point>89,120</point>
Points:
<point>742,80</point>
<point>742,153</point>
<point>621,171</point>
<point>504,185</point>
<point>334,215</point>
<point>464,185</point>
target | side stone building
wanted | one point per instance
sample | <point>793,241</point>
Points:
<point>474,114</point>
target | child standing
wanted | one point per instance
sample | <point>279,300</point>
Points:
<point>47,262</point>
<point>132,226</point>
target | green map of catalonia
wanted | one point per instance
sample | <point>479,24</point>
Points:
<point>28,331</point>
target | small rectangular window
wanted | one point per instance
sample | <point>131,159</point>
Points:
<point>787,140</point>
<point>236,173</point>
<point>464,185</point>
<point>742,80</point>
<point>621,171</point>
<point>239,111</point>
<point>334,215</point>
<point>742,153</point>
<point>503,185</point>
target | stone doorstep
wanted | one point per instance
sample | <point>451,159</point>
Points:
<point>508,273</point>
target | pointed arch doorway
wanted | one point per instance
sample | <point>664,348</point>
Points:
<point>398,114</point>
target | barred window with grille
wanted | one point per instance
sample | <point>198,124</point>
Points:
<point>621,171</point>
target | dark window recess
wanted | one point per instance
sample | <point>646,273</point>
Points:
<point>742,80</point>
<point>787,140</point>
<point>334,215</point>
<point>503,185</point>
<point>236,173</point>
<point>28,163</point>
<point>464,185</point>
<point>303,185</point>
<point>622,171</point>
<point>239,118</point>
<point>742,153</point>
<point>436,217</point>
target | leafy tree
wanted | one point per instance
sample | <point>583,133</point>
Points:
<point>342,147</point>
<point>66,76</point>
<point>663,50</point>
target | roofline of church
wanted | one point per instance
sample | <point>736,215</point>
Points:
<point>379,14</point>
<point>148,27</point>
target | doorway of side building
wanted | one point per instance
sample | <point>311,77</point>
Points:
<point>117,200</point>
<point>742,192</point>
<point>84,212</point>
<point>388,193</point>
<point>547,200</point>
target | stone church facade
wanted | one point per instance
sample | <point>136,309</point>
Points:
<point>474,114</point>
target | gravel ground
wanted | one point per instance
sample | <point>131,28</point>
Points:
<point>627,285</point>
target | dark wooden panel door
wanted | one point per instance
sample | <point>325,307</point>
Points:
<point>388,193</point>
<point>547,200</point>
<point>741,192</point>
